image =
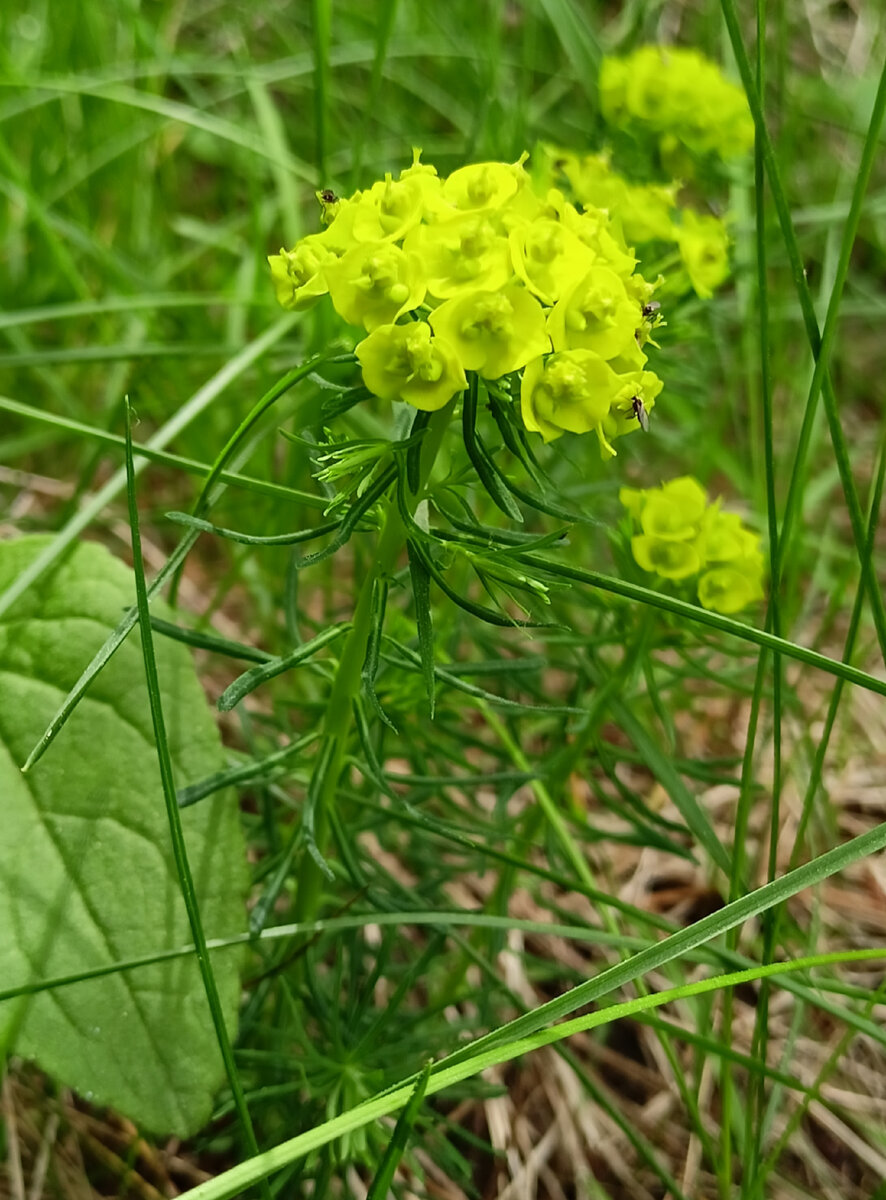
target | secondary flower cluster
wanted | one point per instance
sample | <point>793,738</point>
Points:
<point>648,212</point>
<point>678,96</point>
<point>683,536</point>
<point>480,272</point>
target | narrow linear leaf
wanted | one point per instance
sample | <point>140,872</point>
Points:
<point>349,522</point>
<point>413,453</point>
<point>249,539</point>
<point>479,693</point>
<point>255,676</point>
<point>513,436</point>
<point>704,616</point>
<point>379,1189</point>
<point>315,789</point>
<point>489,615</point>
<point>421,595</point>
<point>217,1009</point>
<point>342,402</point>
<point>479,455</point>
<point>373,649</point>
<point>661,767</point>
<point>208,641</point>
<point>250,772</point>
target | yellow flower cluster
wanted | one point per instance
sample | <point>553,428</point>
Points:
<point>648,212</point>
<point>678,96</point>
<point>683,536</point>
<point>481,272</point>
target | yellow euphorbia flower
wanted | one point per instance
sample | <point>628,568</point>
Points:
<point>567,392</point>
<point>403,362</point>
<point>389,209</point>
<point>596,314</point>
<point>729,589</point>
<point>679,95</point>
<point>493,332</point>
<point>704,249</point>
<point>462,252</point>
<point>549,258</point>
<point>673,511</point>
<point>374,283</point>
<point>672,560</point>
<point>484,187</point>
<point>298,274</point>
<point>683,535</point>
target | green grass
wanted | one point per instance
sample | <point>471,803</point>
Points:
<point>635,804</point>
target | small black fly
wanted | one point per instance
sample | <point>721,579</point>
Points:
<point>639,410</point>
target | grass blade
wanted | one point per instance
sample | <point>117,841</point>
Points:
<point>457,1068</point>
<point>179,848</point>
<point>421,595</point>
<point>384,1176</point>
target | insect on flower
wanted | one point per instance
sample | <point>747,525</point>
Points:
<point>329,203</point>
<point>639,410</point>
<point>650,309</point>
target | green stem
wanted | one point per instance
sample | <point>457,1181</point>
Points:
<point>347,681</point>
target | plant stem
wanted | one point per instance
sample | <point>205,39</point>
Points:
<point>338,718</point>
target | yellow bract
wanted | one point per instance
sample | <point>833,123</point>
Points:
<point>704,249</point>
<point>493,332</point>
<point>568,392</point>
<point>403,362</point>
<point>374,283</point>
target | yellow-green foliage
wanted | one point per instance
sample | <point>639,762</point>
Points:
<point>682,536</point>
<point>680,98</point>
<point>648,212</point>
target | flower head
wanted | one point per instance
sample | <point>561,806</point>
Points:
<point>679,96</point>
<point>704,249</point>
<point>484,187</point>
<point>683,535</point>
<point>497,270</point>
<point>548,257</point>
<point>462,252</point>
<point>298,275</point>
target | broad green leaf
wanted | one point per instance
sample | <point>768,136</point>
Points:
<point>87,876</point>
